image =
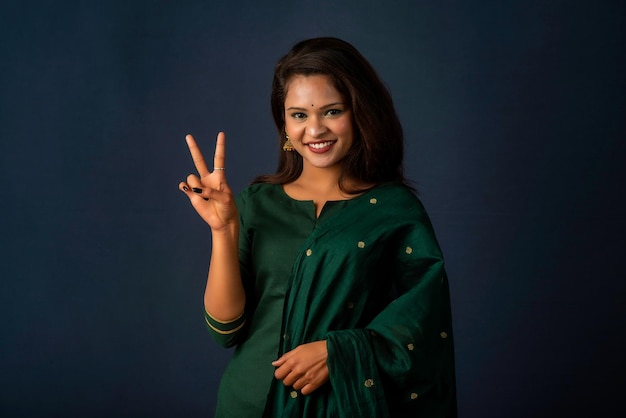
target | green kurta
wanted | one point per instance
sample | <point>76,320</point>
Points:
<point>368,277</point>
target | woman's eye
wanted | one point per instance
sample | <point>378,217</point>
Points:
<point>333,112</point>
<point>298,115</point>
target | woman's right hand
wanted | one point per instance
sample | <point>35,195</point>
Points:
<point>208,191</point>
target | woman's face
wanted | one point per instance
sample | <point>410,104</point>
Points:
<point>318,121</point>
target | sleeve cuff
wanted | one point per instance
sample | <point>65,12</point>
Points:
<point>224,327</point>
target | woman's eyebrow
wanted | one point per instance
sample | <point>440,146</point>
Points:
<point>323,107</point>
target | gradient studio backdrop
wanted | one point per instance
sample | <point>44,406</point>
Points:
<point>514,116</point>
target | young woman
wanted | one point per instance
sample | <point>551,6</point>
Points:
<point>327,276</point>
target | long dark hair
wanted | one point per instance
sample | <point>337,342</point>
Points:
<point>377,152</point>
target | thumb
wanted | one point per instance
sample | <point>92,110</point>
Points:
<point>191,191</point>
<point>187,189</point>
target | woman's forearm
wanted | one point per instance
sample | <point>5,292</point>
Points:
<point>224,297</point>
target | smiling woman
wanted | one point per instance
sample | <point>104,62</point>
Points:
<point>321,134</point>
<point>327,276</point>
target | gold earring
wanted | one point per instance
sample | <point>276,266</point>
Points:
<point>287,146</point>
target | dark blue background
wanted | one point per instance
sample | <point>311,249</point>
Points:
<point>514,114</point>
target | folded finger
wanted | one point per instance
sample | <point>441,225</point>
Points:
<point>299,384</point>
<point>186,188</point>
<point>290,379</point>
<point>280,373</point>
<point>209,193</point>
<point>194,181</point>
<point>199,192</point>
<point>309,388</point>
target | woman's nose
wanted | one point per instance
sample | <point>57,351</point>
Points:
<point>316,127</point>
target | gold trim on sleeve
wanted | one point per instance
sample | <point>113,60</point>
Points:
<point>219,331</point>
<point>222,322</point>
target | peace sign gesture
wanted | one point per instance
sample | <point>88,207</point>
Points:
<point>208,191</point>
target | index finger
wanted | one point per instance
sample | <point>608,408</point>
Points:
<point>220,152</point>
<point>196,156</point>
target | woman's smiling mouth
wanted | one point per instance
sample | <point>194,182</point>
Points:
<point>320,146</point>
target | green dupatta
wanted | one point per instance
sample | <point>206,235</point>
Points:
<point>371,282</point>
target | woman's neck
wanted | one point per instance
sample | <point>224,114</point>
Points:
<point>320,185</point>
<point>319,181</point>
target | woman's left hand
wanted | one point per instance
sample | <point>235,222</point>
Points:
<point>303,368</point>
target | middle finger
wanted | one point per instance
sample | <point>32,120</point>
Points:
<point>220,152</point>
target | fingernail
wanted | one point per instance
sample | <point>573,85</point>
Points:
<point>185,188</point>
<point>196,190</point>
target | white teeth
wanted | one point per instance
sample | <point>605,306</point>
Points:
<point>320,145</point>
